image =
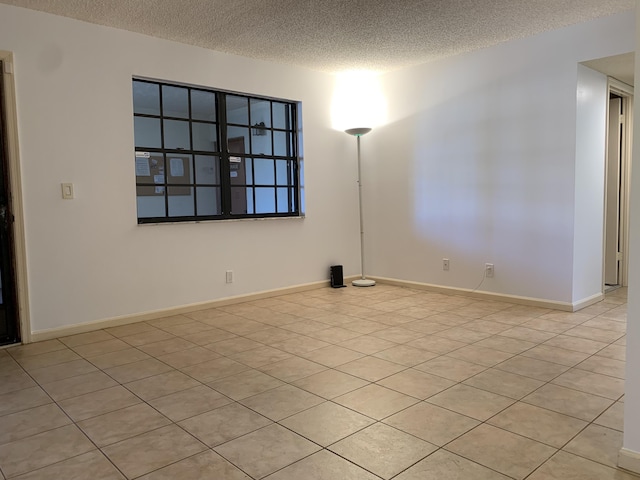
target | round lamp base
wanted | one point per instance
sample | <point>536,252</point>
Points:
<point>363,282</point>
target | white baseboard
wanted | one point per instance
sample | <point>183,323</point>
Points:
<point>629,460</point>
<point>584,303</point>
<point>501,297</point>
<point>67,330</point>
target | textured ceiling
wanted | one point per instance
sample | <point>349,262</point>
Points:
<point>336,35</point>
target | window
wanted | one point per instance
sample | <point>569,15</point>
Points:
<point>202,154</point>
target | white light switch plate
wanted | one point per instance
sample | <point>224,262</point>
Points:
<point>67,191</point>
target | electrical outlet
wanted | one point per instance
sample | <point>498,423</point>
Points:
<point>229,276</point>
<point>445,264</point>
<point>488,270</point>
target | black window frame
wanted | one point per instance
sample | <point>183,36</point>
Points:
<point>162,186</point>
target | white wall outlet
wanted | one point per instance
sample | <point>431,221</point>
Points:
<point>445,264</point>
<point>488,270</point>
<point>229,276</point>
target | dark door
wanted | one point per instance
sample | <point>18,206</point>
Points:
<point>9,331</point>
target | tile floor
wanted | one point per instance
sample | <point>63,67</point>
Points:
<point>382,382</point>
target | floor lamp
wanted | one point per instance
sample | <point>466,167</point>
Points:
<point>362,281</point>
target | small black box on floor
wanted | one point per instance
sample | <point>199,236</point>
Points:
<point>337,280</point>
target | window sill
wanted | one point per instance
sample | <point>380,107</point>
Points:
<point>226,220</point>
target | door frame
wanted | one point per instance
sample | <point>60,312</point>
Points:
<point>626,92</point>
<point>15,187</point>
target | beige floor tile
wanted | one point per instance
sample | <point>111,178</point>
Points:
<point>305,327</point>
<point>326,423</point>
<point>547,325</point>
<point>233,345</point>
<point>190,328</point>
<point>24,399</point>
<point>606,324</point>
<point>365,327</point>
<point>398,335</point>
<point>561,356</point>
<point>443,465</point>
<point>426,326</point>
<point>472,402</point>
<point>604,366</point>
<point>86,338</point>
<point>594,383</point>
<point>487,326</point>
<point>371,369</point>
<point>334,335</point>
<point>527,334</point>
<point>451,368</point>
<point>224,424</point>
<point>130,329</point>
<point>596,334</point>
<point>98,403</point>
<point>62,371</point>
<point>151,336</point>
<point>405,355</point>
<point>187,403</point>
<point>367,344</point>
<point>300,346</point>
<point>93,465</point>
<point>568,402</point>
<point>332,356</point>
<point>42,360</point>
<point>613,417</point>
<point>131,372</point>
<point>617,352</point>
<point>431,423</point>
<point>583,345</point>
<point>245,384</point>
<point>259,357</point>
<point>437,344</point>
<point>506,344</point>
<point>185,358</point>
<point>323,465</point>
<point>121,424</point>
<point>565,466</point>
<point>266,450</point>
<point>566,317</point>
<point>487,357</point>
<point>100,348</point>
<point>170,321</point>
<point>416,383</point>
<point>36,348</point>
<point>205,465</point>
<point>282,402</point>
<point>539,424</point>
<point>164,347</point>
<point>214,369</point>
<point>532,368</point>
<point>375,401</point>
<point>330,383</point>
<point>463,334</point>
<point>121,357</point>
<point>504,383</point>
<point>79,385</point>
<point>210,336</point>
<point>292,369</point>
<point>383,450</point>
<point>161,385</point>
<point>31,422</point>
<point>51,446</point>
<point>152,450</point>
<point>14,380</point>
<point>597,443</point>
<point>505,452</point>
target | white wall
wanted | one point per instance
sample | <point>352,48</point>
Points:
<point>631,440</point>
<point>87,258</point>
<point>590,164</point>
<point>478,165</point>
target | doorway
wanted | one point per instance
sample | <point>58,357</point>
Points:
<point>618,161</point>
<point>9,322</point>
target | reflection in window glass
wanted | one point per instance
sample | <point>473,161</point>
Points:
<point>237,110</point>
<point>147,132</point>
<point>282,177</point>
<point>203,105</point>
<point>263,171</point>
<point>261,112</point>
<point>281,116</point>
<point>175,101</point>
<point>207,170</point>
<point>176,134</point>
<point>180,201</point>
<point>146,98</point>
<point>261,144</point>
<point>265,200</point>
<point>283,200</point>
<point>208,200</point>
<point>204,136</point>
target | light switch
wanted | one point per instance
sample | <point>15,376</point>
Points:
<point>67,191</point>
